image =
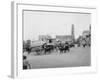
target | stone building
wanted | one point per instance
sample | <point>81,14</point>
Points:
<point>45,38</point>
<point>69,38</point>
<point>64,37</point>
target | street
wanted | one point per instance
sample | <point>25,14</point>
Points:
<point>78,56</point>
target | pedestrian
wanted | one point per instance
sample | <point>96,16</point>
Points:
<point>26,64</point>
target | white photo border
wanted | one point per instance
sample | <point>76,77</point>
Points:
<point>17,30</point>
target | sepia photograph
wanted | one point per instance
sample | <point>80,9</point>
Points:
<point>56,39</point>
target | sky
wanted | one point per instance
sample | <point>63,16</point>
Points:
<point>54,23</point>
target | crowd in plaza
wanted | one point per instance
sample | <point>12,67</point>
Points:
<point>61,44</point>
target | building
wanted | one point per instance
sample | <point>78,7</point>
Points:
<point>69,38</point>
<point>86,33</point>
<point>86,37</point>
<point>64,37</point>
<point>44,38</point>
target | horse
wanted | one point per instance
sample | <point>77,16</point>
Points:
<point>48,48</point>
<point>63,47</point>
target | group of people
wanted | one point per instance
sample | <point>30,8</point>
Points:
<point>60,47</point>
<point>84,43</point>
<point>48,48</point>
<point>26,64</point>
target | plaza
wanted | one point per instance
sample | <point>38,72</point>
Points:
<point>78,56</point>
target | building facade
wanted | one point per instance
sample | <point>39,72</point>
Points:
<point>69,38</point>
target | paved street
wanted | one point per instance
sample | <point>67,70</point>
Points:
<point>77,56</point>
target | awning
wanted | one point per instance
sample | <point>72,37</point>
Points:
<point>37,43</point>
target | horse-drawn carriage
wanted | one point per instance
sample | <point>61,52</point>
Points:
<point>41,47</point>
<point>37,47</point>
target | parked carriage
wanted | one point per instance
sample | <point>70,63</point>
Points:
<point>37,47</point>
